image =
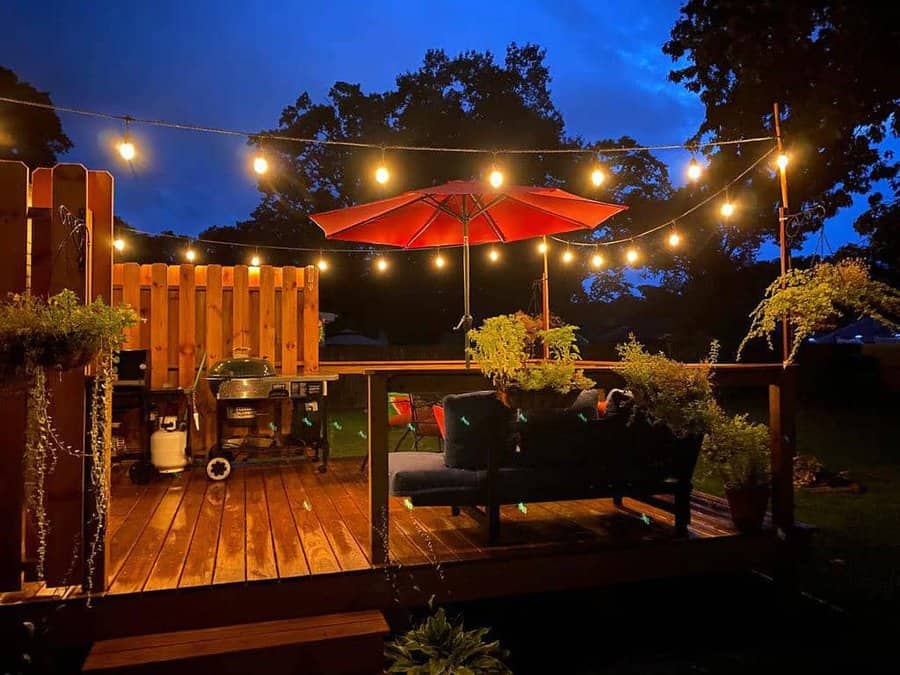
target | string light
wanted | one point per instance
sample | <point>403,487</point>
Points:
<point>439,261</point>
<point>567,256</point>
<point>255,260</point>
<point>495,177</point>
<point>190,254</point>
<point>632,255</point>
<point>597,176</point>
<point>782,161</point>
<point>126,145</point>
<point>322,264</point>
<point>381,263</point>
<point>727,209</point>
<point>260,165</point>
<point>674,239</point>
<point>119,244</point>
<point>694,170</point>
<point>597,261</point>
<point>542,247</point>
<point>382,175</point>
<point>493,254</point>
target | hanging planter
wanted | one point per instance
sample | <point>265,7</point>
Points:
<point>60,333</point>
<point>505,346</point>
<point>818,299</point>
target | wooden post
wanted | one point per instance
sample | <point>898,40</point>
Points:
<point>784,253</point>
<point>289,321</point>
<point>379,523</point>
<point>131,295</point>
<point>14,222</point>
<point>311,319</point>
<point>241,308</point>
<point>95,545</point>
<point>267,313</point>
<point>159,325</point>
<point>187,340</point>
<point>782,405</point>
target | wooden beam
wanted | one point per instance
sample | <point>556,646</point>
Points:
<point>213,314</point>
<point>782,407</point>
<point>100,199</point>
<point>187,339</point>
<point>159,325</point>
<point>378,470</point>
<point>241,308</point>
<point>14,222</point>
<point>267,313</point>
<point>131,295</point>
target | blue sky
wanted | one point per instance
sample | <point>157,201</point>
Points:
<point>237,65</point>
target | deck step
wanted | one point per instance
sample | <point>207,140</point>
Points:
<point>351,642</point>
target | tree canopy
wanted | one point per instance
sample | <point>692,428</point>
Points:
<point>31,135</point>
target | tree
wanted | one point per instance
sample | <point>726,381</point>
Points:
<point>467,100</point>
<point>31,135</point>
<point>826,61</point>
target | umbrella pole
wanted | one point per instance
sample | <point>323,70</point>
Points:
<point>545,298</point>
<point>467,313</point>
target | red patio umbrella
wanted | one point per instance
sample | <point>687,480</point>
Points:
<point>466,212</point>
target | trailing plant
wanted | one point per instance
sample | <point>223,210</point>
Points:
<point>506,348</point>
<point>737,450</point>
<point>816,300</point>
<point>61,333</point>
<point>440,646</point>
<point>667,391</point>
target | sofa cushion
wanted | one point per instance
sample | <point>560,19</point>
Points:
<point>476,423</point>
<point>415,472</point>
<point>554,437</point>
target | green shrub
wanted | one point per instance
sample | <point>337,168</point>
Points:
<point>737,451</point>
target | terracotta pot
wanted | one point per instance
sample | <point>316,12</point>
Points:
<point>537,399</point>
<point>748,507</point>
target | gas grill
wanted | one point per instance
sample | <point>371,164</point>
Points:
<point>243,385</point>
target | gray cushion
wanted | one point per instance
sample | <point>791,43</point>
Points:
<point>418,473</point>
<point>476,423</point>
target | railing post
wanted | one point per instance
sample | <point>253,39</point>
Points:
<point>378,469</point>
<point>782,433</point>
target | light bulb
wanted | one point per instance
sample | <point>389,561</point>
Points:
<point>597,260</point>
<point>631,255</point>
<point>542,247</point>
<point>190,255</point>
<point>254,261</point>
<point>322,264</point>
<point>381,264</point>
<point>694,169</point>
<point>727,210</point>
<point>382,175</point>
<point>260,164</point>
<point>126,149</point>
<point>567,256</point>
<point>597,177</point>
<point>494,255</point>
<point>674,239</point>
<point>495,178</point>
<point>782,161</point>
<point>119,244</point>
<point>439,261</point>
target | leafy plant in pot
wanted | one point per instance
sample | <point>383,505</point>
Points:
<point>505,348</point>
<point>737,450</point>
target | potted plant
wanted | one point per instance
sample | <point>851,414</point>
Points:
<point>439,646</point>
<point>816,299</point>
<point>62,333</point>
<point>737,450</point>
<point>505,348</point>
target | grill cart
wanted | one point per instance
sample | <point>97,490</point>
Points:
<point>248,392</point>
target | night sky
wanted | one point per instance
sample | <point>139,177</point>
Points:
<point>220,64</point>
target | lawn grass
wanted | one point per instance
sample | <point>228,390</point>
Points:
<point>347,437</point>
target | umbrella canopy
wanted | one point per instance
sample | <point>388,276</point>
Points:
<point>466,212</point>
<point>435,216</point>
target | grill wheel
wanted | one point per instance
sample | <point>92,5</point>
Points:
<point>218,468</point>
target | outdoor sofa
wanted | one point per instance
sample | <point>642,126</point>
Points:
<point>493,455</point>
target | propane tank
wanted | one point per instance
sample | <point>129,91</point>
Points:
<point>167,446</point>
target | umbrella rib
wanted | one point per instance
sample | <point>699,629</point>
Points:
<point>488,217</point>
<point>437,211</point>
<point>580,223</point>
<point>376,216</point>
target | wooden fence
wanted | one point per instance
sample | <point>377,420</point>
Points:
<point>187,310</point>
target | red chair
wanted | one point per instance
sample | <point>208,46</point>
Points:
<point>416,415</point>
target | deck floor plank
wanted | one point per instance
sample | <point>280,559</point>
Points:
<point>289,557</point>
<point>123,540</point>
<point>319,555</point>
<point>143,555</point>
<point>200,563</point>
<point>231,557</point>
<point>346,549</point>
<point>170,563</point>
<point>260,547</point>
